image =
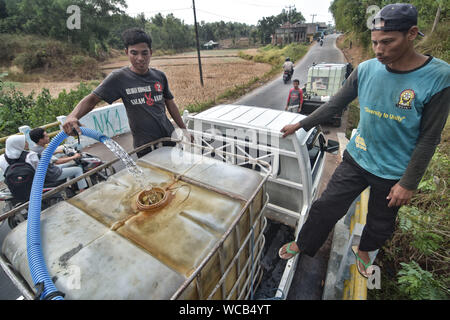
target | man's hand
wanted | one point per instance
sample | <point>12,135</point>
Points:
<point>83,107</point>
<point>399,196</point>
<point>70,124</point>
<point>290,129</point>
<point>188,136</point>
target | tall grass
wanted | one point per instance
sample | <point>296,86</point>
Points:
<point>52,59</point>
<point>415,263</point>
<point>276,55</point>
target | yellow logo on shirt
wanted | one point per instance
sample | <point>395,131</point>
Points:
<point>406,98</point>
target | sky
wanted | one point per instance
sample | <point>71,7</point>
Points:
<point>244,11</point>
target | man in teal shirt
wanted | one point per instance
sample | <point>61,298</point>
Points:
<point>404,101</point>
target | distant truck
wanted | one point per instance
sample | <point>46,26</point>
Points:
<point>324,81</point>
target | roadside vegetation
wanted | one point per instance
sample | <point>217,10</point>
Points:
<point>415,263</point>
<point>17,109</point>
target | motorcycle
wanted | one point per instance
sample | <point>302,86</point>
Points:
<point>287,76</point>
<point>88,162</point>
<point>321,42</point>
<point>9,202</point>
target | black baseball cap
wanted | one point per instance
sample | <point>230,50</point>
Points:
<point>396,17</point>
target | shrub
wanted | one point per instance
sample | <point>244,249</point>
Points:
<point>419,284</point>
<point>16,109</point>
<point>29,61</point>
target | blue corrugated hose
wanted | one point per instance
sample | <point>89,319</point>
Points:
<point>36,263</point>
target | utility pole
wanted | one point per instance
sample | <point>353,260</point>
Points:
<point>198,45</point>
<point>436,19</point>
<point>289,20</point>
<point>289,14</point>
<point>313,15</point>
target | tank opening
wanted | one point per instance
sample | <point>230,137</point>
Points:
<point>153,199</point>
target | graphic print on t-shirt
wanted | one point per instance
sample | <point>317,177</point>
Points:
<point>148,98</point>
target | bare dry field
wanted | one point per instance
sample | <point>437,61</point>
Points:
<point>222,70</point>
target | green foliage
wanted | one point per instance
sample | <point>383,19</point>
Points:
<point>29,61</point>
<point>102,24</point>
<point>13,106</point>
<point>170,33</point>
<point>438,43</point>
<point>419,284</point>
<point>352,16</point>
<point>16,109</point>
<point>223,30</point>
<point>33,53</point>
<point>419,250</point>
<point>48,18</point>
<point>352,118</point>
<point>275,55</point>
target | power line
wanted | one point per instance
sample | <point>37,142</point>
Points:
<point>258,4</point>
<point>159,11</point>
<point>220,16</point>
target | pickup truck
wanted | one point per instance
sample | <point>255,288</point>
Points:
<point>324,80</point>
<point>297,161</point>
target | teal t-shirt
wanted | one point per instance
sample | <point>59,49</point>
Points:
<point>391,105</point>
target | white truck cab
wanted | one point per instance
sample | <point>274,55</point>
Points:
<point>296,161</point>
<point>255,134</point>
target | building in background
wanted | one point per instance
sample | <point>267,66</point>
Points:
<point>298,32</point>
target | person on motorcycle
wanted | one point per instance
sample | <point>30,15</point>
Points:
<point>60,168</point>
<point>14,147</point>
<point>288,66</point>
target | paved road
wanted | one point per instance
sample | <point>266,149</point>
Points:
<point>274,94</point>
<point>310,271</point>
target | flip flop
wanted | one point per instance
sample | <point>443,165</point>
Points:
<point>288,250</point>
<point>366,265</point>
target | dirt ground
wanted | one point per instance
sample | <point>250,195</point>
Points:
<point>222,70</point>
<point>354,55</point>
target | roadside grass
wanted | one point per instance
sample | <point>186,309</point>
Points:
<point>30,57</point>
<point>353,118</point>
<point>415,263</point>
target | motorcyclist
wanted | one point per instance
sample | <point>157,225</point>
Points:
<point>288,66</point>
<point>60,168</point>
